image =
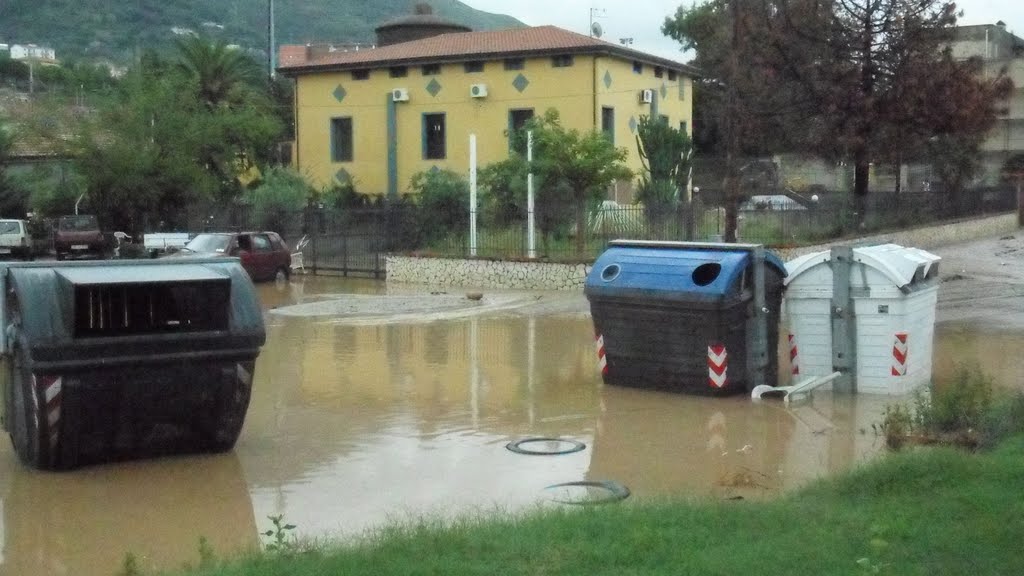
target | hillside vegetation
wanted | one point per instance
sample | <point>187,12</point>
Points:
<point>120,30</point>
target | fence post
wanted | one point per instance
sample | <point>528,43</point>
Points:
<point>1020,201</point>
<point>531,239</point>
<point>472,195</point>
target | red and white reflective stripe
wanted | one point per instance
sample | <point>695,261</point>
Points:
<point>718,365</point>
<point>602,361</point>
<point>794,361</point>
<point>50,386</point>
<point>243,375</point>
<point>899,355</point>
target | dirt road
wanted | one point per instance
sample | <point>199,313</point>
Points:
<point>983,283</point>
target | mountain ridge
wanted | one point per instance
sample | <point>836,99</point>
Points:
<point>100,29</point>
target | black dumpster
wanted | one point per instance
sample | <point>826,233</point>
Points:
<point>102,361</point>
<point>683,316</point>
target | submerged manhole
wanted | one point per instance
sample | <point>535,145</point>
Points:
<point>587,492</point>
<point>545,446</point>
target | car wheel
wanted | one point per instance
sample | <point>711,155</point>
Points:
<point>60,256</point>
<point>282,275</point>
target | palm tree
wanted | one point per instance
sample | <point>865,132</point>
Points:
<point>217,68</point>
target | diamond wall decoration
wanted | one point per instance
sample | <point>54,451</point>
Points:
<point>434,169</point>
<point>433,87</point>
<point>664,91</point>
<point>340,93</point>
<point>343,176</point>
<point>607,79</point>
<point>632,124</point>
<point>520,83</point>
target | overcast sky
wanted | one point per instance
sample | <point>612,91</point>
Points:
<point>642,19</point>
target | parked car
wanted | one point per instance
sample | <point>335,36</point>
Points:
<point>15,240</point>
<point>264,255</point>
<point>77,236</point>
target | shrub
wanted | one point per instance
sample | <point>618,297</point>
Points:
<point>282,193</point>
<point>443,200</point>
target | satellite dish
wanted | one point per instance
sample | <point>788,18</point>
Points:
<point>595,30</point>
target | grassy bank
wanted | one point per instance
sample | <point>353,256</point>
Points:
<point>928,511</point>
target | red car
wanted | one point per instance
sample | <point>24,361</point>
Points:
<point>264,255</point>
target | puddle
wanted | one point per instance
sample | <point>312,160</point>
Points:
<point>354,424</point>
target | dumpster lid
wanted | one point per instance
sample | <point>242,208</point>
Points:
<point>93,275</point>
<point>901,265</point>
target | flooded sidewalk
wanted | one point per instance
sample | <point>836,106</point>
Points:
<point>357,421</point>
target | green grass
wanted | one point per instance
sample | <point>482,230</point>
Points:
<point>930,511</point>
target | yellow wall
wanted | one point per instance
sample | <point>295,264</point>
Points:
<point>619,87</point>
<point>570,89</point>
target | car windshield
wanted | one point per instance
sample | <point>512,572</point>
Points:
<point>209,243</point>
<point>78,223</point>
<point>10,227</point>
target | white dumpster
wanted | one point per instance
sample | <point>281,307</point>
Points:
<point>892,291</point>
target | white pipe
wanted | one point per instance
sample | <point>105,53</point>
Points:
<point>531,240</point>
<point>472,194</point>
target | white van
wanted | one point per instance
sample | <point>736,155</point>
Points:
<point>14,240</point>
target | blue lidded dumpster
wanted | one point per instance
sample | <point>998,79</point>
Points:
<point>122,359</point>
<point>700,318</point>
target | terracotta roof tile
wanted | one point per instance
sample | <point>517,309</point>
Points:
<point>464,46</point>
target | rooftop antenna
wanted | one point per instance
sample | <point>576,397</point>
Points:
<point>595,29</point>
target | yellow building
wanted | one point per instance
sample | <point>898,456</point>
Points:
<point>377,116</point>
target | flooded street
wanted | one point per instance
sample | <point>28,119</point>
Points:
<point>356,421</point>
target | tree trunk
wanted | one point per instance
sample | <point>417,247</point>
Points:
<point>581,225</point>
<point>861,172</point>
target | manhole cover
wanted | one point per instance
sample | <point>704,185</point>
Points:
<point>587,492</point>
<point>545,446</point>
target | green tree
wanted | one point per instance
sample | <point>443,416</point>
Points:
<point>220,72</point>
<point>665,152</point>
<point>852,79</point>
<point>158,147</point>
<point>582,164</point>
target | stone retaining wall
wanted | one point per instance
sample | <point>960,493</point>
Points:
<point>551,276</point>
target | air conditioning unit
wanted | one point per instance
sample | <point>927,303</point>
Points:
<point>646,96</point>
<point>478,90</point>
<point>400,95</point>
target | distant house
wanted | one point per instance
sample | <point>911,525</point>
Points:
<point>33,52</point>
<point>376,116</point>
<point>999,49</point>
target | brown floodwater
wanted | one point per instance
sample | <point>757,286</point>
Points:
<point>358,422</point>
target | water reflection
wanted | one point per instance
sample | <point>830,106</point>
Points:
<point>353,425</point>
<point>87,521</point>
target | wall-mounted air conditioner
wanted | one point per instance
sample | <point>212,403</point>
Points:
<point>400,95</point>
<point>646,96</point>
<point>478,90</point>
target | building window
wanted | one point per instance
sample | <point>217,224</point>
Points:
<point>638,68</point>
<point>398,71</point>
<point>515,63</point>
<point>672,75</point>
<point>360,74</point>
<point>683,127</point>
<point>474,67</point>
<point>431,69</point>
<point>561,61</point>
<point>659,72</point>
<point>663,118</point>
<point>608,123</point>
<point>341,139</point>
<point>434,137</point>
<point>517,120</point>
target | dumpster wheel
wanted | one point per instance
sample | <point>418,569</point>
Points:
<point>545,446</point>
<point>24,424</point>
<point>610,490</point>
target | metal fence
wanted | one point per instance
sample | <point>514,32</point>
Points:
<point>357,241</point>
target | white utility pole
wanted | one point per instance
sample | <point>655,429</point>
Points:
<point>531,241</point>
<point>472,194</point>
